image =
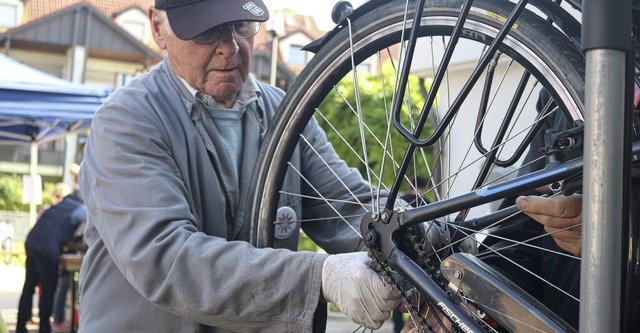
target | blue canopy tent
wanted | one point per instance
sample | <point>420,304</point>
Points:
<point>39,107</point>
<point>36,107</point>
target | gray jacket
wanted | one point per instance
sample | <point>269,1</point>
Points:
<point>166,235</point>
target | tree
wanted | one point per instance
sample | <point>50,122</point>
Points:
<point>11,193</point>
<point>337,117</point>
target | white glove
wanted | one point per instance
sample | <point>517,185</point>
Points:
<point>349,283</point>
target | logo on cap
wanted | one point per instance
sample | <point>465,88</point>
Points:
<point>253,9</point>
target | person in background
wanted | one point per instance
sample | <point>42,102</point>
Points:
<point>44,245</point>
<point>60,190</point>
<point>165,178</point>
<point>64,277</point>
<point>74,171</point>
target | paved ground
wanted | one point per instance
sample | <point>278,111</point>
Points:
<point>12,278</point>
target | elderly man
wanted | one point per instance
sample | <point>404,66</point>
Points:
<point>165,176</point>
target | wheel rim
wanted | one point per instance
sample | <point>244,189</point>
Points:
<point>449,184</point>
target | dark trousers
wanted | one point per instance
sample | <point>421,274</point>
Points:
<point>60,300</point>
<point>45,272</point>
<point>398,321</point>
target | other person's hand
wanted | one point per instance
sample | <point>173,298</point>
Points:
<point>561,216</point>
<point>349,282</point>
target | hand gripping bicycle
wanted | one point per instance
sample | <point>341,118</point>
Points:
<point>484,98</point>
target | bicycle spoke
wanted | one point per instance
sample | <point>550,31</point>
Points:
<point>338,215</point>
<point>470,125</point>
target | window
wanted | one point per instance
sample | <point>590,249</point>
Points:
<point>135,28</point>
<point>9,14</point>
<point>297,56</point>
<point>364,68</point>
<point>122,79</point>
<point>135,22</point>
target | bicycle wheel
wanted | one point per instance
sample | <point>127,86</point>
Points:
<point>480,125</point>
<point>7,250</point>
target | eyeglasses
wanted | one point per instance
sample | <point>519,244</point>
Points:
<point>240,29</point>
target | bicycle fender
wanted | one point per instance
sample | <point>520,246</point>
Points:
<point>568,24</point>
<point>317,44</point>
<point>498,296</point>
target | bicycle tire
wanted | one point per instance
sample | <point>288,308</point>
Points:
<point>533,43</point>
<point>7,249</point>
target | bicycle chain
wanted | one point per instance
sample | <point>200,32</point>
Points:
<point>385,271</point>
<point>422,259</point>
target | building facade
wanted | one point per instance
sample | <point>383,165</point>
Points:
<point>107,43</point>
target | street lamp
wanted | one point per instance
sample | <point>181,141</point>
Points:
<point>275,27</point>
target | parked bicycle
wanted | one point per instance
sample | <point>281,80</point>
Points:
<point>500,74</point>
<point>6,241</point>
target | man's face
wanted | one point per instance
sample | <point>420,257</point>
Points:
<point>218,69</point>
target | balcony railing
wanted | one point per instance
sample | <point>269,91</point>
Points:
<point>22,155</point>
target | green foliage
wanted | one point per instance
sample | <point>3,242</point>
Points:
<point>11,193</point>
<point>306,244</point>
<point>340,109</point>
<point>334,308</point>
<point>46,193</point>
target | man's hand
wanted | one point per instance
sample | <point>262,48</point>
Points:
<point>557,214</point>
<point>349,283</point>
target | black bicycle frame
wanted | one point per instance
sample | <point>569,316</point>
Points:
<point>554,12</point>
<point>381,231</point>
